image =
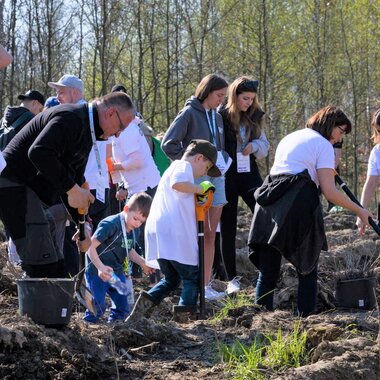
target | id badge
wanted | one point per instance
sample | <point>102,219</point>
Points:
<point>220,163</point>
<point>243,163</point>
<point>100,190</point>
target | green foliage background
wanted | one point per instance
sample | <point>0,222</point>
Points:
<point>305,53</point>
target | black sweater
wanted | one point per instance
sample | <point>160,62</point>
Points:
<point>50,153</point>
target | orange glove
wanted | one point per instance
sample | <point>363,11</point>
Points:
<point>110,165</point>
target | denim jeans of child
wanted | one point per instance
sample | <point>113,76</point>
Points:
<point>270,265</point>
<point>174,273</point>
<point>119,308</point>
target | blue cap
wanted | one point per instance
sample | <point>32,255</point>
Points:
<point>51,102</point>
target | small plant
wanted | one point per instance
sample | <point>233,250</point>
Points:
<point>268,354</point>
<point>230,303</point>
<point>288,351</point>
<point>243,362</point>
<point>355,266</point>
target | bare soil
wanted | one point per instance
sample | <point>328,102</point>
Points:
<point>343,344</point>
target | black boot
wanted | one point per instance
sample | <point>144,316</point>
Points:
<point>184,313</point>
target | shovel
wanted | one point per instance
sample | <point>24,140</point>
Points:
<point>201,207</point>
<point>82,293</point>
<point>350,195</point>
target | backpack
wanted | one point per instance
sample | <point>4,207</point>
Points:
<point>7,132</point>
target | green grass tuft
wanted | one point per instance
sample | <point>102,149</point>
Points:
<point>271,353</point>
<point>229,303</point>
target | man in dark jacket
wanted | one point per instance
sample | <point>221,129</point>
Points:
<point>46,160</point>
<point>17,117</point>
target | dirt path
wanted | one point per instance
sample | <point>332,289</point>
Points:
<point>343,344</point>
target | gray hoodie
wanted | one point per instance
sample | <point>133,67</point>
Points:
<point>191,123</point>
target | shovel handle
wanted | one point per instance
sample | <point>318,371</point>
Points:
<point>350,195</point>
<point>82,221</point>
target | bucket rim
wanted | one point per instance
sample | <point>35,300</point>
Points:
<point>45,280</point>
<point>357,279</point>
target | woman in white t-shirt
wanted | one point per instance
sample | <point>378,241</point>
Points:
<point>373,171</point>
<point>288,214</point>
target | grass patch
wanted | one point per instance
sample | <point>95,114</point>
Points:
<point>241,299</point>
<point>268,353</point>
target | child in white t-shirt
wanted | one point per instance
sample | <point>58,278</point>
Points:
<point>171,231</point>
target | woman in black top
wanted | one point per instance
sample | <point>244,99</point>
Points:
<point>245,142</point>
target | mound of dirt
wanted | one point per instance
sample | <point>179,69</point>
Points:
<point>343,344</point>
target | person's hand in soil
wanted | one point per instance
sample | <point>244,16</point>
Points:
<point>147,270</point>
<point>362,220</point>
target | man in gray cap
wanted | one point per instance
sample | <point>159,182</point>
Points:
<point>69,89</point>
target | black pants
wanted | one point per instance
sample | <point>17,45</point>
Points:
<point>270,267</point>
<point>99,210</point>
<point>243,185</point>
<point>32,229</point>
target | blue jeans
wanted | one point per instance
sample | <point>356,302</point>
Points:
<point>174,273</point>
<point>270,266</point>
<point>119,308</point>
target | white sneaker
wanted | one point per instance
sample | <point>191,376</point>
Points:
<point>233,286</point>
<point>212,295</point>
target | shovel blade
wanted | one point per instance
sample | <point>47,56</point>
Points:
<point>85,297</point>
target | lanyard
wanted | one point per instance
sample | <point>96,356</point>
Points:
<point>242,135</point>
<point>93,138</point>
<point>212,126</point>
<point>122,221</point>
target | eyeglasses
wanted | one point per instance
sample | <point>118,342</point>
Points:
<point>122,127</point>
<point>341,129</point>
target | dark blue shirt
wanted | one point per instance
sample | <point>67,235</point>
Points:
<point>112,250</point>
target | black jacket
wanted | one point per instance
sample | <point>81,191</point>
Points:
<point>230,141</point>
<point>50,153</point>
<point>288,217</point>
<point>14,119</point>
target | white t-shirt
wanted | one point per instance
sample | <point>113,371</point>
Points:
<point>374,161</point>
<point>91,172</point>
<point>170,230</point>
<point>303,149</point>
<point>132,150</point>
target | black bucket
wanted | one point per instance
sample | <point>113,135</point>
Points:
<point>47,301</point>
<point>356,293</point>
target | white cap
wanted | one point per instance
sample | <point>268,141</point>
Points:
<point>68,81</point>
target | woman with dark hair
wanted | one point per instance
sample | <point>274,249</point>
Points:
<point>373,171</point>
<point>200,120</point>
<point>288,214</point>
<point>245,142</point>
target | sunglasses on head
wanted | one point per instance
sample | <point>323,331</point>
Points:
<point>249,85</point>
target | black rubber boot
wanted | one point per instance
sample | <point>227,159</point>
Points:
<point>184,313</point>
